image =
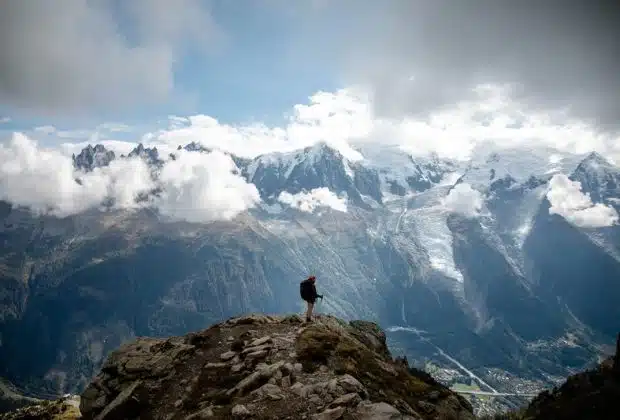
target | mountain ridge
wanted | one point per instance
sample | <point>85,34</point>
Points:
<point>270,366</point>
<point>263,366</point>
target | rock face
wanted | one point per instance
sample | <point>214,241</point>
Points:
<point>267,367</point>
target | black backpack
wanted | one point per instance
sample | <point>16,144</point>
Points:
<point>305,290</point>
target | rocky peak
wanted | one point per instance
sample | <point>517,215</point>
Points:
<point>93,157</point>
<point>321,150</point>
<point>149,154</point>
<point>194,147</point>
<point>595,165</point>
<point>313,167</point>
<point>267,367</point>
<point>596,158</point>
<point>598,177</point>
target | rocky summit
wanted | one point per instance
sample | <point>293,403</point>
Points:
<point>265,367</point>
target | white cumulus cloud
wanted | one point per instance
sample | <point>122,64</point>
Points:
<point>44,180</point>
<point>202,187</point>
<point>568,201</point>
<point>125,181</point>
<point>464,200</point>
<point>197,187</point>
<point>314,199</point>
<point>336,119</point>
<point>346,119</point>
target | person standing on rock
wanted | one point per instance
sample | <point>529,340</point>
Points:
<point>307,290</point>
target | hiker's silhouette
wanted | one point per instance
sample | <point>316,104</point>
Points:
<point>307,290</point>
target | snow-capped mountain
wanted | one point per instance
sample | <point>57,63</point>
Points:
<point>468,254</point>
<point>509,168</point>
<point>307,169</point>
<point>401,173</point>
<point>599,178</point>
<point>378,176</point>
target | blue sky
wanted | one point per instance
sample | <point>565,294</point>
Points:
<point>255,69</point>
<point>77,64</point>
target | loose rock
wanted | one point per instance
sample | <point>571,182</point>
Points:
<point>261,341</point>
<point>377,411</point>
<point>273,392</point>
<point>240,411</point>
<point>215,365</point>
<point>205,413</point>
<point>228,355</point>
<point>348,400</point>
<point>329,414</point>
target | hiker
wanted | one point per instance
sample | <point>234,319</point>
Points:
<point>307,290</point>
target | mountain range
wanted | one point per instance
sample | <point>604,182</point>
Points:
<point>478,265</point>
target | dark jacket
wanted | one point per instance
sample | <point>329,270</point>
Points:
<point>307,290</point>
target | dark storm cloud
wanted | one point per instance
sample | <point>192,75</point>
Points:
<point>555,53</point>
<point>73,55</point>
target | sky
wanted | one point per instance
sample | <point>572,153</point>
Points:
<point>260,76</point>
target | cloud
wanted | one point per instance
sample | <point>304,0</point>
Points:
<point>126,180</point>
<point>342,119</point>
<point>5,120</point>
<point>196,187</point>
<point>202,187</point>
<point>115,127</point>
<point>314,199</point>
<point>334,118</point>
<point>415,57</point>
<point>44,180</point>
<point>45,129</point>
<point>568,201</point>
<point>464,200</point>
<point>80,60</point>
<point>345,119</point>
<point>420,56</point>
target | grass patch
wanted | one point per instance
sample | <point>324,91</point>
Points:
<point>314,346</point>
<point>52,410</point>
<point>465,387</point>
<point>384,379</point>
